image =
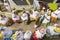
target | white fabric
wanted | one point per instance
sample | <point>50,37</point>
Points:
<point>39,34</point>
<point>15,17</point>
<point>54,14</point>
<point>24,16</point>
<point>45,20</point>
<point>20,37</point>
<point>27,35</point>
<point>58,12</point>
<point>4,21</point>
<point>51,28</point>
<point>36,14</point>
<point>7,6</point>
<point>7,32</point>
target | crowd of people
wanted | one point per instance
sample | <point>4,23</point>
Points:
<point>7,34</point>
<point>41,17</point>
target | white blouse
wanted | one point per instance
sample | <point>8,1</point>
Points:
<point>15,17</point>
<point>24,16</point>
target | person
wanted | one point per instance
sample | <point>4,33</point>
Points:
<point>6,32</point>
<point>36,15</point>
<point>24,17</point>
<point>20,35</point>
<point>58,11</point>
<point>46,20</point>
<point>31,15</point>
<point>27,35</point>
<point>39,34</point>
<point>15,17</point>
<point>42,13</point>
<point>54,16</point>
<point>7,5</point>
<point>3,19</point>
<point>53,30</point>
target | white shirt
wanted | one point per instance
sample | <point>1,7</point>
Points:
<point>20,37</point>
<point>45,19</point>
<point>39,34</point>
<point>4,21</point>
<point>15,17</point>
<point>7,32</point>
<point>52,32</point>
<point>36,14</point>
<point>54,14</point>
<point>24,16</point>
<point>58,12</point>
<point>27,35</point>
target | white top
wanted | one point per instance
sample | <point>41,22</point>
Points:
<point>47,19</point>
<point>24,16</point>
<point>35,14</point>
<point>52,32</point>
<point>7,33</point>
<point>7,6</point>
<point>15,17</point>
<point>20,37</point>
<point>4,21</point>
<point>40,33</point>
<point>58,12</point>
<point>27,35</point>
<point>54,14</point>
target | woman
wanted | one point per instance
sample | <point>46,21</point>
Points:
<point>4,20</point>
<point>36,15</point>
<point>16,18</point>
<point>46,20</point>
<point>54,16</point>
<point>24,17</point>
<point>6,32</point>
<point>27,35</point>
<point>31,15</point>
<point>39,34</point>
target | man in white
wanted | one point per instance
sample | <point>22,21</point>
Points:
<point>24,17</point>
<point>46,19</point>
<point>27,35</point>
